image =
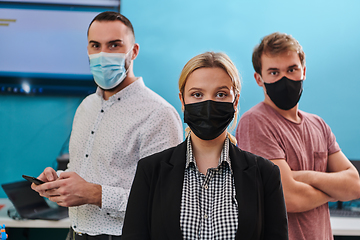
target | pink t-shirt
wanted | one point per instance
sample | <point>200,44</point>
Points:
<point>304,146</point>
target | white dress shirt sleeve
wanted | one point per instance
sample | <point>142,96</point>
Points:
<point>114,201</point>
<point>162,130</point>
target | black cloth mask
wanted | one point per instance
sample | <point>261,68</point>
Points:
<point>285,93</point>
<point>208,119</point>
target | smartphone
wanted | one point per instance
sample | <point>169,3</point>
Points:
<point>33,180</point>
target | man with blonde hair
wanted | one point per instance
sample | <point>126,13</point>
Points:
<point>313,169</point>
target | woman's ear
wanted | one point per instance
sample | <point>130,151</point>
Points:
<point>236,101</point>
<point>182,102</point>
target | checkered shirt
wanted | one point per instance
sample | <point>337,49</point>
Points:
<point>209,209</point>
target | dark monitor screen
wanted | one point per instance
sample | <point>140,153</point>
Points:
<point>43,45</point>
<point>25,199</point>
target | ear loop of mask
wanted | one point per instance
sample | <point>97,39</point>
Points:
<point>130,60</point>
<point>262,80</point>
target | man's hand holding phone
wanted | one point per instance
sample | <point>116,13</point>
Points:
<point>48,175</point>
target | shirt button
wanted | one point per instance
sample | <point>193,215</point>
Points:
<point>92,132</point>
<point>102,111</point>
<point>206,187</point>
<point>86,155</point>
<point>206,216</point>
<point>119,99</point>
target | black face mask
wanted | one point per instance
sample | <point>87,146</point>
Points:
<point>208,119</point>
<point>285,93</point>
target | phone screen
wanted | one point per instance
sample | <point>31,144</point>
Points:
<point>33,179</point>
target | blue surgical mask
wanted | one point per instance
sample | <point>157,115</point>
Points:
<point>108,69</point>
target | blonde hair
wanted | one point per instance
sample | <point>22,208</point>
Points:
<point>212,60</point>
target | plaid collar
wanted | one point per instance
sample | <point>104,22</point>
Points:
<point>224,156</point>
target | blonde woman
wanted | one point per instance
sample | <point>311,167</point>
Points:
<point>206,187</point>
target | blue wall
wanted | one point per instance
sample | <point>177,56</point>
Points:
<point>171,32</point>
<point>33,129</point>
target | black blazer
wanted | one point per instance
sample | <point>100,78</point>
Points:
<point>153,210</point>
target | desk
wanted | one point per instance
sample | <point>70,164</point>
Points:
<point>345,226</point>
<point>9,222</point>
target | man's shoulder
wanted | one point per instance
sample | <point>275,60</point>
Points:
<point>258,112</point>
<point>147,96</point>
<point>252,159</point>
<point>311,117</point>
<point>152,96</point>
<point>90,100</point>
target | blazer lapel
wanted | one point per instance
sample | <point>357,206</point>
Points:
<point>245,176</point>
<point>171,182</point>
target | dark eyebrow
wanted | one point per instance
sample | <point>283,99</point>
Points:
<point>92,41</point>
<point>272,69</point>
<point>294,66</point>
<point>112,41</point>
<point>116,41</point>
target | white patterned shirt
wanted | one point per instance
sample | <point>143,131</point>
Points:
<point>108,138</point>
<point>209,209</point>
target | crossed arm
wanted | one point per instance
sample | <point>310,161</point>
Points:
<point>305,190</point>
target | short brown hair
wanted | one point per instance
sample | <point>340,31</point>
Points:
<point>113,16</point>
<point>275,44</point>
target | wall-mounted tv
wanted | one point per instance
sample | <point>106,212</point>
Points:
<point>43,46</point>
